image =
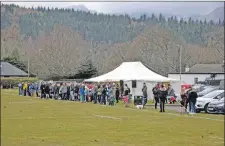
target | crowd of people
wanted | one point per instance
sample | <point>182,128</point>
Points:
<point>162,94</point>
<point>107,94</point>
<point>189,97</point>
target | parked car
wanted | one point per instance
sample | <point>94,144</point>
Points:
<point>202,102</point>
<point>207,89</point>
<point>216,107</point>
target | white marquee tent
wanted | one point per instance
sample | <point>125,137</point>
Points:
<point>129,71</point>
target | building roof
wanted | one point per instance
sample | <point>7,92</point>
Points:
<point>8,69</point>
<point>205,69</point>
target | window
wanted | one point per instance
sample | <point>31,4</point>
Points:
<point>196,80</point>
<point>213,94</point>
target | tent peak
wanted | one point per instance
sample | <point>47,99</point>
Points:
<point>132,62</point>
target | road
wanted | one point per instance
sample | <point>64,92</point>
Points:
<point>169,107</point>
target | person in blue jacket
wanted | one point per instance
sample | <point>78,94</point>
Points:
<point>82,93</point>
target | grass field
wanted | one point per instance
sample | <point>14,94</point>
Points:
<point>29,121</point>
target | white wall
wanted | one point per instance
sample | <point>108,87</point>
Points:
<point>189,78</point>
<point>138,90</point>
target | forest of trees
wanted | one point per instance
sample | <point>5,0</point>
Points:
<point>60,40</point>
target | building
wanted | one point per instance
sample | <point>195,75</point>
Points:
<point>199,72</point>
<point>8,70</point>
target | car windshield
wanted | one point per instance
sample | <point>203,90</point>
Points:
<point>205,91</point>
<point>212,94</point>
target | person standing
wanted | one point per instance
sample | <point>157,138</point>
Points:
<point>42,90</point>
<point>20,89</point>
<point>76,92</point>
<point>112,95</point>
<point>86,91</point>
<point>67,91</point>
<point>126,95</point>
<point>99,93</point>
<point>47,91</point>
<point>36,89</point>
<point>22,92</point>
<point>64,91</point>
<point>51,90</point>
<point>25,86</point>
<point>72,91</point>
<point>55,95</point>
<point>60,91</point>
<point>104,94</point>
<point>183,102</point>
<point>162,97</point>
<point>82,88</point>
<point>155,92</point>
<point>95,94</point>
<point>145,94</point>
<point>171,93</point>
<point>108,94</point>
<point>117,94</point>
<point>114,91</point>
<point>192,97</point>
<point>31,89</point>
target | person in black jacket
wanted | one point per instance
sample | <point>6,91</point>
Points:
<point>67,92</point>
<point>47,91</point>
<point>162,97</point>
<point>76,92</point>
<point>104,94</point>
<point>43,95</point>
<point>155,92</point>
<point>192,97</point>
<point>117,93</point>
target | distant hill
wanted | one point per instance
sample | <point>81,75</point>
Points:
<point>215,15</point>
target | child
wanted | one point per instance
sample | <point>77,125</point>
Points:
<point>172,100</point>
<point>126,101</point>
<point>126,96</point>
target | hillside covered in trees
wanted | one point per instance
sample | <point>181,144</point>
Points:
<point>57,42</point>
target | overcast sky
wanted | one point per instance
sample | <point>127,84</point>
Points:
<point>176,8</point>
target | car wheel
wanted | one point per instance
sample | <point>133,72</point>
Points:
<point>206,108</point>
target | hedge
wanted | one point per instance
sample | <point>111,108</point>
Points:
<point>14,81</point>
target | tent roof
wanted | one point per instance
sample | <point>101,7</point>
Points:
<point>130,71</point>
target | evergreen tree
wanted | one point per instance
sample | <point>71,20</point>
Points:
<point>205,22</point>
<point>87,71</point>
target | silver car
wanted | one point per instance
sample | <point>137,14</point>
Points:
<point>207,90</point>
<point>216,107</point>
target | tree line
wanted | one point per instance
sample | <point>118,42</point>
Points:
<point>105,28</point>
<point>68,43</point>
